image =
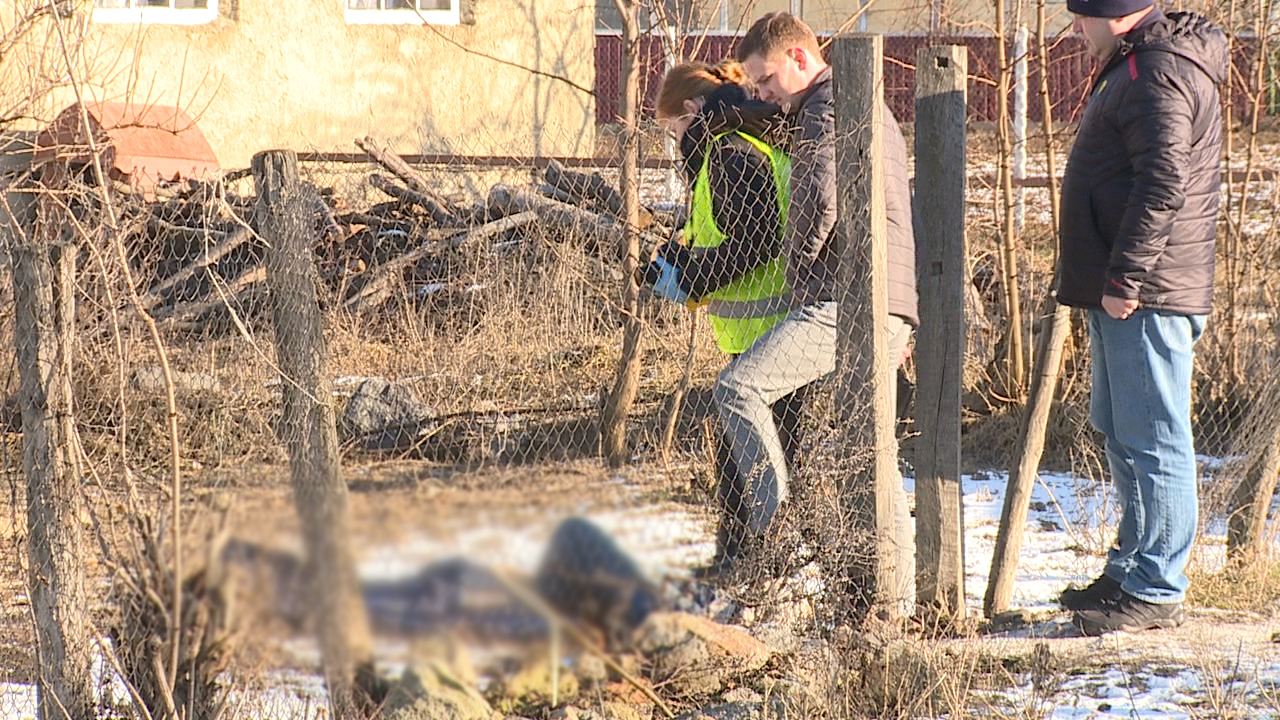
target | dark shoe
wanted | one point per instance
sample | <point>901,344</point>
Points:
<point>719,567</point>
<point>728,550</point>
<point>1100,592</point>
<point>1128,614</point>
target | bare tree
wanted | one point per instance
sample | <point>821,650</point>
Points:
<point>1015,360</point>
<point>613,423</point>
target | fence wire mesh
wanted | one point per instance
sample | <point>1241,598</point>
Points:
<point>456,327</point>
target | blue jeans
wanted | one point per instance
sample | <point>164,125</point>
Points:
<point>1141,402</point>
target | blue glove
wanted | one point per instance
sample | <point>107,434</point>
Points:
<point>668,285</point>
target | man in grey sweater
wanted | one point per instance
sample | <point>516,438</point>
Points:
<point>781,55</point>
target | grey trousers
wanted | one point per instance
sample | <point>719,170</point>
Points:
<point>797,351</point>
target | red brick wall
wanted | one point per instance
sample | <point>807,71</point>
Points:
<point>1069,73</point>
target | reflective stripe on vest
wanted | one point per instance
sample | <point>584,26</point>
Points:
<point>742,309</point>
<point>746,308</point>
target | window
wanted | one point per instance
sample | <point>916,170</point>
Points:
<point>171,12</point>
<point>399,12</point>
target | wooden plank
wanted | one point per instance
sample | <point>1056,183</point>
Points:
<point>1055,323</point>
<point>863,368</point>
<point>940,140</point>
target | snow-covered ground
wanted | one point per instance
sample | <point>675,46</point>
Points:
<point>1215,673</point>
<point>1067,529</point>
<point>1066,520</point>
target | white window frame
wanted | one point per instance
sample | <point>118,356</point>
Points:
<point>157,15</point>
<point>400,16</point>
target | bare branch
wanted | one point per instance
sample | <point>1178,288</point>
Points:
<point>509,63</point>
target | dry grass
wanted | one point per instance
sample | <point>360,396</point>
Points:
<point>531,327</point>
<point>1248,585</point>
<point>962,678</point>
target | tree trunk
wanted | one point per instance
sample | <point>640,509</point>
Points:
<point>1015,360</point>
<point>43,287</point>
<point>1251,501</point>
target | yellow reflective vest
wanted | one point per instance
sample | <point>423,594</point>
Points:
<point>746,308</point>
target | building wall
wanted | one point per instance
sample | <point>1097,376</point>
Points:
<point>885,16</point>
<point>292,73</point>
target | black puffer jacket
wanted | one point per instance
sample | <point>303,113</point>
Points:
<point>1141,190</point>
<point>744,198</point>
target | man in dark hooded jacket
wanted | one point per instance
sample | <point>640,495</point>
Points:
<point>1139,210</point>
<point>782,56</point>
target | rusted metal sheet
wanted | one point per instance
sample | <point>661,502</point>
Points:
<point>142,145</point>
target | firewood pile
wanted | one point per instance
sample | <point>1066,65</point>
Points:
<point>202,264</point>
<point>193,251</point>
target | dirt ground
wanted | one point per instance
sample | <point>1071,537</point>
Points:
<point>405,512</point>
<point>426,509</point>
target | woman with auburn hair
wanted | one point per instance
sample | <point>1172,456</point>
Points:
<point>730,257</point>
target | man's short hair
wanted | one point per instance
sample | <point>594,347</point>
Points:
<point>775,32</point>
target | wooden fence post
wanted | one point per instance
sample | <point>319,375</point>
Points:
<point>940,140</point>
<point>1055,324</point>
<point>43,292</point>
<point>308,428</point>
<point>862,362</point>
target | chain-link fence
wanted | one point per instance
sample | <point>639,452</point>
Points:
<point>267,382</point>
<point>324,393</point>
<point>203,327</point>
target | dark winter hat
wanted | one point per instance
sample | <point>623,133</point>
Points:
<point>1107,8</point>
